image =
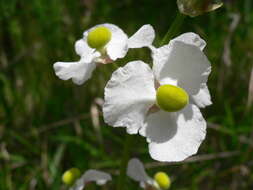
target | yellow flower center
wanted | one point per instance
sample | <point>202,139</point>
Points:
<point>99,37</point>
<point>70,176</point>
<point>171,98</point>
<point>163,180</point>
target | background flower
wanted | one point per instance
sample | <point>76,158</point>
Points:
<point>91,176</point>
<point>136,171</point>
<point>115,48</point>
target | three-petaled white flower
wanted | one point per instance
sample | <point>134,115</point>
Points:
<point>136,171</point>
<point>162,103</point>
<point>101,44</point>
<point>89,176</point>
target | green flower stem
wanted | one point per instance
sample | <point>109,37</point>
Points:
<point>125,157</point>
<point>174,28</point>
<point>115,66</point>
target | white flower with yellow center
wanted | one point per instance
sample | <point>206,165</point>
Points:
<point>72,178</point>
<point>101,44</point>
<point>162,103</point>
<point>136,171</point>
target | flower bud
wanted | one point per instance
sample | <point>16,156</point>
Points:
<point>70,176</point>
<point>197,7</point>
<point>99,37</point>
<point>171,98</point>
<point>163,180</point>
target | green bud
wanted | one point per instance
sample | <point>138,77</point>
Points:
<point>163,180</point>
<point>99,37</point>
<point>197,7</point>
<point>70,176</point>
<point>171,98</point>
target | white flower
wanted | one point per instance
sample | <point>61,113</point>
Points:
<point>89,176</point>
<point>106,43</point>
<point>136,171</point>
<point>133,99</point>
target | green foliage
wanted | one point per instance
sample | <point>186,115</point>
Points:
<point>41,130</point>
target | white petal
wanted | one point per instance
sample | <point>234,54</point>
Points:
<point>185,133</point>
<point>128,96</point>
<point>159,126</point>
<point>79,184</point>
<point>183,64</point>
<point>78,71</point>
<point>91,175</point>
<point>83,50</point>
<point>117,47</point>
<point>101,182</point>
<point>192,39</point>
<point>95,175</point>
<point>136,171</point>
<point>144,37</point>
<point>202,98</point>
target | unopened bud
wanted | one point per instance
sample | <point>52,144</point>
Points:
<point>197,7</point>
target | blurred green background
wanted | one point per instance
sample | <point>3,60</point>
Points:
<point>48,125</point>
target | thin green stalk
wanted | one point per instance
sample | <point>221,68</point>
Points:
<point>115,66</point>
<point>125,157</point>
<point>174,28</point>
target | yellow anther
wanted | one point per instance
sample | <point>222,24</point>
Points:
<point>171,98</point>
<point>70,176</point>
<point>163,180</point>
<point>99,37</point>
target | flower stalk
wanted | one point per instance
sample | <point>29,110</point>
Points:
<point>124,161</point>
<point>174,28</point>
